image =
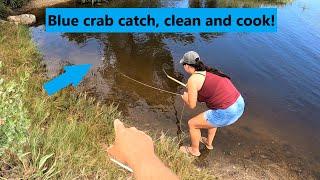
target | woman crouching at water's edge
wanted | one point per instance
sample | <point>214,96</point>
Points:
<point>211,86</point>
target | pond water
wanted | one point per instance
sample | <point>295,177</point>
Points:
<point>278,75</point>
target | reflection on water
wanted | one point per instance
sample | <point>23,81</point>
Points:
<point>277,73</point>
<point>196,3</point>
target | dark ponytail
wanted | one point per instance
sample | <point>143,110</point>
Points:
<point>199,66</point>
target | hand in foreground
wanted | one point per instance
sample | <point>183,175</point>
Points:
<point>136,149</point>
<point>131,145</point>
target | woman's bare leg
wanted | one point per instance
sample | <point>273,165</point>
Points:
<point>195,124</point>
<point>211,134</point>
<point>195,135</point>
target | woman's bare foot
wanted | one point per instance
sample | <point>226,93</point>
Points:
<point>204,140</point>
<point>189,150</point>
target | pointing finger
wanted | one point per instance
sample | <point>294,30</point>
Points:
<point>118,127</point>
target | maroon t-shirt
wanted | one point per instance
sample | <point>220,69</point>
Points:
<point>217,92</point>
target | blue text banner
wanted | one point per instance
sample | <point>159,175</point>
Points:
<point>162,20</point>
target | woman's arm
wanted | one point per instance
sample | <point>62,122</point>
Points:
<point>191,96</point>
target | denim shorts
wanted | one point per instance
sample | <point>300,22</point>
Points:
<point>225,117</point>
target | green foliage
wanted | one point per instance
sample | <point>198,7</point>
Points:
<point>3,10</point>
<point>14,3</point>
<point>7,5</point>
<point>13,131</point>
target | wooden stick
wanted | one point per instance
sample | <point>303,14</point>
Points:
<point>175,80</point>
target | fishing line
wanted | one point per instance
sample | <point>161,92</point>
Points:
<point>147,85</point>
<point>184,104</point>
<point>181,116</point>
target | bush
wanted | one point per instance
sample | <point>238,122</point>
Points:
<point>15,3</point>
<point>3,10</point>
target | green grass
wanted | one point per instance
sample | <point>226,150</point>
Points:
<point>59,137</point>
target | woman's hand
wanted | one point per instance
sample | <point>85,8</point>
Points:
<point>185,97</point>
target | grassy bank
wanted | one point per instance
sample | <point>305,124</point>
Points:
<point>59,136</point>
